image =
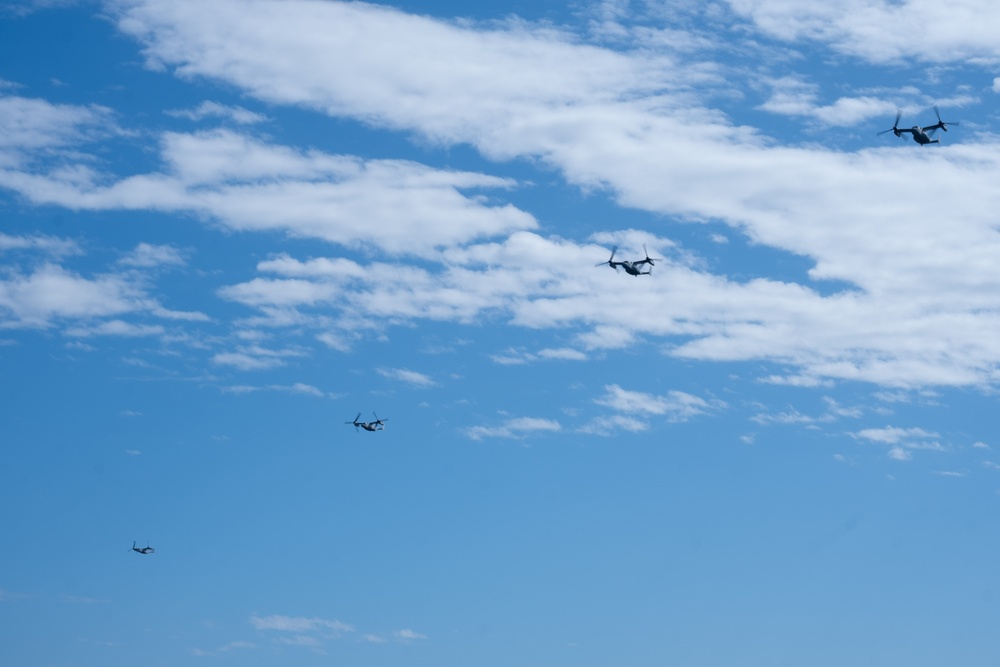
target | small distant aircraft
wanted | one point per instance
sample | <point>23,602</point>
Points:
<point>921,135</point>
<point>143,550</point>
<point>631,268</point>
<point>377,425</point>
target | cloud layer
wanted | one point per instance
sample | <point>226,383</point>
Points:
<point>903,284</point>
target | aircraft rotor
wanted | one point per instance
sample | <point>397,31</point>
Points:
<point>941,124</point>
<point>895,125</point>
<point>611,260</point>
<point>650,259</point>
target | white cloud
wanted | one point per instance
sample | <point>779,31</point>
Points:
<point>296,388</point>
<point>51,292</point>
<point>900,454</point>
<point>885,30</point>
<point>314,632</point>
<point>254,358</point>
<point>677,405</point>
<point>225,648</point>
<point>208,109</point>
<point>39,242</point>
<point>613,424</point>
<point>922,298</point>
<point>149,255</point>
<point>261,291</point>
<point>35,128</point>
<point>250,185</point>
<point>790,416</point>
<point>515,428</point>
<point>407,376</point>
<point>116,328</point>
<point>186,316</point>
<point>892,435</point>
<point>516,357</point>
<point>562,353</point>
<point>902,442</point>
<point>300,624</point>
<point>792,96</point>
<point>602,118</point>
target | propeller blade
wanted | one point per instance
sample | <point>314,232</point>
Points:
<point>895,124</point>
<point>649,259</point>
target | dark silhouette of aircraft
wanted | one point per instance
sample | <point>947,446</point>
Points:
<point>146,550</point>
<point>921,135</point>
<point>377,425</point>
<point>633,268</point>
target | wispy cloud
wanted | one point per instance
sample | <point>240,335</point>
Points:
<point>613,424</point>
<point>297,388</point>
<point>116,328</point>
<point>921,297</point>
<point>518,427</point>
<point>833,412</point>
<point>892,435</point>
<point>676,405</point>
<point>51,292</point>
<point>209,109</point>
<point>939,34</point>
<point>254,358</point>
<point>902,442</point>
<point>39,242</point>
<point>518,356</point>
<point>301,624</point>
<point>225,648</point>
<point>148,255</point>
<point>405,375</point>
<point>313,632</point>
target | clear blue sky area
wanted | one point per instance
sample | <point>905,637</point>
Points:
<point>228,227</point>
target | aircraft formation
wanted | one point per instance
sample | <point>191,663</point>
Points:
<point>923,135</point>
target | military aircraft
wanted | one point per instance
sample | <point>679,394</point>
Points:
<point>146,550</point>
<point>633,268</point>
<point>921,135</point>
<point>377,425</point>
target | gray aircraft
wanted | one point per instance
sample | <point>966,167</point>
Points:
<point>633,268</point>
<point>921,135</point>
<point>377,425</point>
<point>146,550</point>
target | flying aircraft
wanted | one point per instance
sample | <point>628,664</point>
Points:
<point>143,550</point>
<point>921,135</point>
<point>377,425</point>
<point>633,268</point>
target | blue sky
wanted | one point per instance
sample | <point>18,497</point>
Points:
<point>229,227</point>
